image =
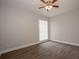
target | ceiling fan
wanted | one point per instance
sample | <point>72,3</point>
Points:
<point>49,4</point>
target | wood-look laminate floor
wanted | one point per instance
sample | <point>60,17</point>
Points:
<point>47,50</point>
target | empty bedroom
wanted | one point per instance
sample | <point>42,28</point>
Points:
<point>39,29</point>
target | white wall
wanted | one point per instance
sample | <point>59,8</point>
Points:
<point>18,27</point>
<point>65,27</point>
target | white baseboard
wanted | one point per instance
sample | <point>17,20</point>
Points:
<point>19,47</point>
<point>69,43</point>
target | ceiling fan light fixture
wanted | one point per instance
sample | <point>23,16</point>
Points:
<point>49,4</point>
<point>48,7</point>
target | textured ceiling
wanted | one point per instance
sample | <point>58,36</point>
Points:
<point>33,5</point>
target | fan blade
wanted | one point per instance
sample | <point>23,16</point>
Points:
<point>41,7</point>
<point>56,6</point>
<point>43,1</point>
<point>54,1</point>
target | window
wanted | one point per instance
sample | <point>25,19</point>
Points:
<point>43,30</point>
